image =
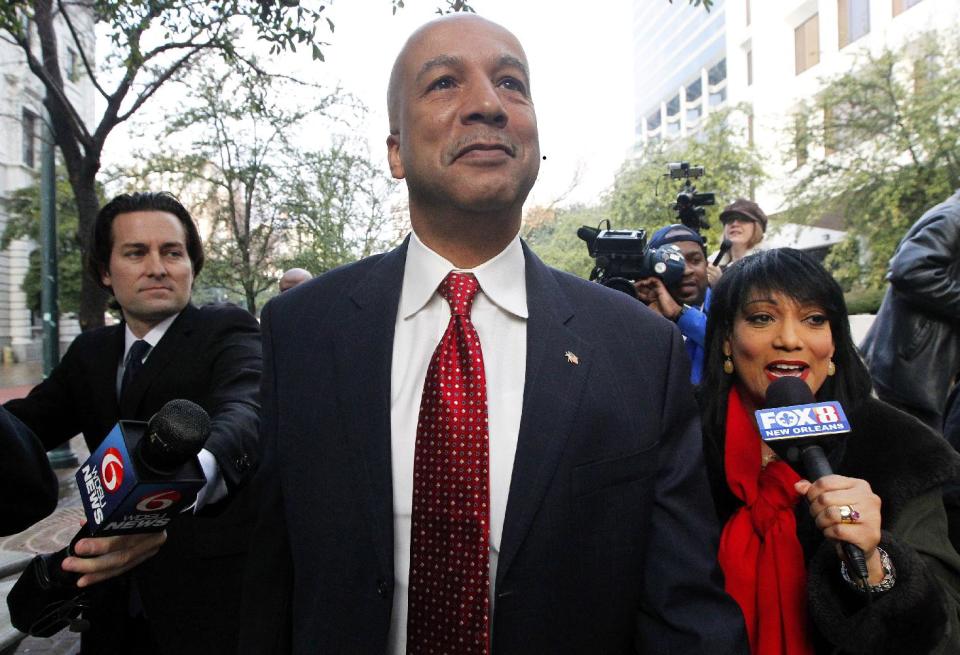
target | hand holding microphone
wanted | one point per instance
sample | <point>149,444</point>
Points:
<point>714,272</point>
<point>725,247</point>
<point>797,427</point>
<point>137,480</point>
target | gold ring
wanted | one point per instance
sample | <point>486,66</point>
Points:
<point>848,514</point>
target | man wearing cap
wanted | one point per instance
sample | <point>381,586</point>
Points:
<point>688,303</point>
<point>744,224</point>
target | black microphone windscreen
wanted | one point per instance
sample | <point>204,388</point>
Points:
<point>174,434</point>
<point>787,391</point>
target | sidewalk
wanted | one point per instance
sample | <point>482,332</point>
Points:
<point>54,532</point>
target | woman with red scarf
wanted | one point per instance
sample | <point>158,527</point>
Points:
<point>776,314</point>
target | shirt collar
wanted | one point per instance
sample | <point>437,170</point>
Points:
<point>152,337</point>
<point>498,277</point>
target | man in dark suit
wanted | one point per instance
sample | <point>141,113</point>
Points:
<point>554,421</point>
<point>181,596</point>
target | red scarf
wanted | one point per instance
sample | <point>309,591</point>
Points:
<point>760,555</point>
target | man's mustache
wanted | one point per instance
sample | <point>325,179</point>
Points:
<point>483,141</point>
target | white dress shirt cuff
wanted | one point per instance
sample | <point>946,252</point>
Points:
<point>216,487</point>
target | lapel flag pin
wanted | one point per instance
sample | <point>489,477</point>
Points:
<point>571,358</point>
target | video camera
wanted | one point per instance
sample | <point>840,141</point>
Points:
<point>690,204</point>
<point>622,257</point>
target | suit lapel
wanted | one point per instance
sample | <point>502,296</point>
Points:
<point>363,359</point>
<point>169,345</point>
<point>551,395</point>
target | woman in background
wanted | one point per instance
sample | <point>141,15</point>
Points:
<point>744,225</point>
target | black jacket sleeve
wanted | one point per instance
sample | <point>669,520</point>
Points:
<point>29,487</point>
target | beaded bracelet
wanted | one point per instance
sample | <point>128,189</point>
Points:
<point>889,576</point>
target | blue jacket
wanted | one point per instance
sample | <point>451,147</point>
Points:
<point>693,327</point>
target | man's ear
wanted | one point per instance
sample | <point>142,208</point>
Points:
<point>105,276</point>
<point>393,156</point>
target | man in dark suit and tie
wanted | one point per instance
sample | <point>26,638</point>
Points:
<point>181,595</point>
<point>467,451</point>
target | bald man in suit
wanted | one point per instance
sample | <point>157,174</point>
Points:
<point>580,468</point>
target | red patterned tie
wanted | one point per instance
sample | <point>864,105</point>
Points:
<point>449,610</point>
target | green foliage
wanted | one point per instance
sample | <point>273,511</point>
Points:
<point>553,236</point>
<point>641,196</point>
<point>864,301</point>
<point>890,129</point>
<point>270,204</point>
<point>845,262</point>
<point>23,207</point>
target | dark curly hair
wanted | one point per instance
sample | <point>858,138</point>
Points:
<point>101,239</point>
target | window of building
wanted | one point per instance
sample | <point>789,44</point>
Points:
<point>836,128</point>
<point>900,6</point>
<point>806,39</point>
<point>853,20</point>
<point>73,65</point>
<point>748,11</point>
<point>28,124</point>
<point>28,29</point>
<point>801,139</point>
<point>694,93</point>
<point>717,79</point>
<point>718,73</point>
<point>653,121</point>
<point>673,107</point>
<point>925,71</point>
<point>750,67</point>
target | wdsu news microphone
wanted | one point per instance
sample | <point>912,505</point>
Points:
<point>139,478</point>
<point>796,426</point>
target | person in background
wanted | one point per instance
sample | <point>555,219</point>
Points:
<point>688,303</point>
<point>744,225</point>
<point>153,594</point>
<point>913,345</point>
<point>779,313</point>
<point>293,277</point>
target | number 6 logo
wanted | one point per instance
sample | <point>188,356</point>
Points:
<point>111,470</point>
<point>158,502</point>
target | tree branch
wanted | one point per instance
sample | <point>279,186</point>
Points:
<point>91,73</point>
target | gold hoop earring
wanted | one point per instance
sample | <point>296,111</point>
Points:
<point>831,368</point>
<point>728,366</point>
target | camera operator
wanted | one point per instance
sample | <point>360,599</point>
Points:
<point>686,304</point>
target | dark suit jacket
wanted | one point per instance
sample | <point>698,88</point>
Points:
<point>28,487</point>
<point>210,355</point>
<point>609,538</point>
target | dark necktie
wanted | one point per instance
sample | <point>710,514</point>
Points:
<point>449,603</point>
<point>138,351</point>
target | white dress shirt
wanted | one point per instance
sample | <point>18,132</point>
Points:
<point>499,314</point>
<point>216,487</point>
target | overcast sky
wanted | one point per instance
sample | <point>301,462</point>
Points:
<point>580,58</point>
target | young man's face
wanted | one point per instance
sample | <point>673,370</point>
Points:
<point>693,285</point>
<point>150,271</point>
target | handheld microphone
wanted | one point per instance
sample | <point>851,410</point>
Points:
<point>724,249</point>
<point>137,480</point>
<point>795,425</point>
